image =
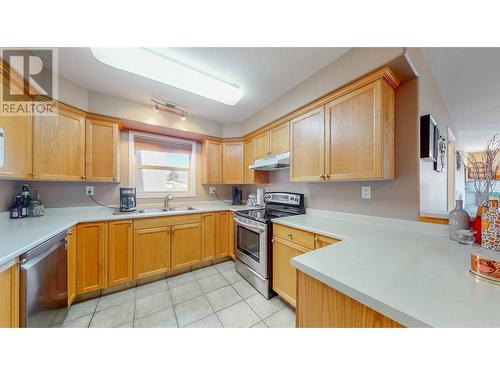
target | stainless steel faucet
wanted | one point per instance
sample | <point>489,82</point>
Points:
<point>166,202</point>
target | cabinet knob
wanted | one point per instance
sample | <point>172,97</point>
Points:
<point>316,238</point>
<point>33,174</point>
<point>289,235</point>
<point>114,178</point>
<point>82,177</point>
<point>322,176</point>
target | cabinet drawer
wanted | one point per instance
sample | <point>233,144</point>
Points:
<point>155,222</point>
<point>294,235</point>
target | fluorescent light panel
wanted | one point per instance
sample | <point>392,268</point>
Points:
<point>148,64</point>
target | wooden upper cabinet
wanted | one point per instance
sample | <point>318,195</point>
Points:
<point>17,143</point>
<point>72,240</point>
<point>59,145</point>
<point>252,176</point>
<point>360,134</point>
<point>120,252</point>
<point>249,159</point>
<point>101,151</point>
<point>212,162</point>
<point>9,295</point>
<point>186,245</point>
<point>280,139</point>
<point>91,257</point>
<point>262,145</point>
<point>307,146</point>
<point>232,165</point>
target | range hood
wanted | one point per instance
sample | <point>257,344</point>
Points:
<point>278,161</point>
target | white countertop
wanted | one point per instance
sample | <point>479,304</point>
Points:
<point>20,235</point>
<point>408,271</point>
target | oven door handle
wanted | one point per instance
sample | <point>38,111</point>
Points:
<point>249,227</point>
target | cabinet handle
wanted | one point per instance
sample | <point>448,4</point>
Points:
<point>82,177</point>
<point>322,176</point>
<point>289,235</point>
<point>316,238</point>
<point>328,176</point>
<point>33,174</point>
<point>69,233</point>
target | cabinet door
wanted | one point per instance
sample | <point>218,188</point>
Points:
<point>355,136</point>
<point>120,252</point>
<point>262,145</point>
<point>322,241</point>
<point>209,236</point>
<point>9,295</point>
<point>151,251</point>
<point>213,162</point>
<point>17,132</point>
<point>224,234</point>
<point>91,257</point>
<point>232,164</point>
<point>231,235</point>
<point>59,145</point>
<point>280,138</point>
<point>307,146</point>
<point>249,159</point>
<point>72,239</point>
<point>284,275</point>
<point>101,151</point>
<point>186,245</point>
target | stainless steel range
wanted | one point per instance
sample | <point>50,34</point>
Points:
<point>254,234</point>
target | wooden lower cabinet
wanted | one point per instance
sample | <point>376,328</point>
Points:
<point>151,251</point>
<point>91,257</point>
<point>322,241</point>
<point>9,295</point>
<point>208,235</point>
<point>72,240</point>
<point>319,306</point>
<point>284,278</point>
<point>224,221</point>
<point>186,245</point>
<point>120,252</point>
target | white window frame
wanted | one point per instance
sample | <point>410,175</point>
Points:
<point>154,137</point>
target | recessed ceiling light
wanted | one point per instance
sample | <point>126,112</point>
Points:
<point>151,65</point>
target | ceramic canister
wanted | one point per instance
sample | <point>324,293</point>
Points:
<point>490,229</point>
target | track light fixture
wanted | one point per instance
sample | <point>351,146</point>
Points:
<point>169,107</point>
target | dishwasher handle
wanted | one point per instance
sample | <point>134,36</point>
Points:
<point>28,264</point>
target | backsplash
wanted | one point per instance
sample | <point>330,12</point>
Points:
<point>67,194</point>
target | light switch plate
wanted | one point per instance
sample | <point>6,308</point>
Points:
<point>366,192</point>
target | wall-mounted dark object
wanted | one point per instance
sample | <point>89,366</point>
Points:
<point>429,138</point>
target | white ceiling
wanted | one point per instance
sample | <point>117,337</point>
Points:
<point>264,74</point>
<point>469,80</point>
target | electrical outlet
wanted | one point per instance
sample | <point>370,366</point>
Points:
<point>366,192</point>
<point>89,190</point>
<point>211,190</point>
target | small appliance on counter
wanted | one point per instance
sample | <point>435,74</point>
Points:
<point>127,199</point>
<point>237,196</point>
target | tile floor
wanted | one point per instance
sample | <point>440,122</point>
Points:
<point>211,297</point>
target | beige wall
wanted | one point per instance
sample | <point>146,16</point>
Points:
<point>7,194</point>
<point>398,198</point>
<point>433,185</point>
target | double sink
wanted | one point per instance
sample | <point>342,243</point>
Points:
<point>171,209</point>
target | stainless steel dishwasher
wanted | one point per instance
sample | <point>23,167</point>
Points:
<point>44,284</point>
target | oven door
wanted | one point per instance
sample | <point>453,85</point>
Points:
<point>251,245</point>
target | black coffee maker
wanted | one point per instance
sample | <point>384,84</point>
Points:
<point>237,194</point>
<point>127,199</point>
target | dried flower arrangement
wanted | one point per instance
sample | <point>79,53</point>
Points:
<point>484,169</point>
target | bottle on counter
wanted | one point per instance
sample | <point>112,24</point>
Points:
<point>490,226</point>
<point>36,206</point>
<point>25,200</point>
<point>459,219</point>
<point>16,209</point>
